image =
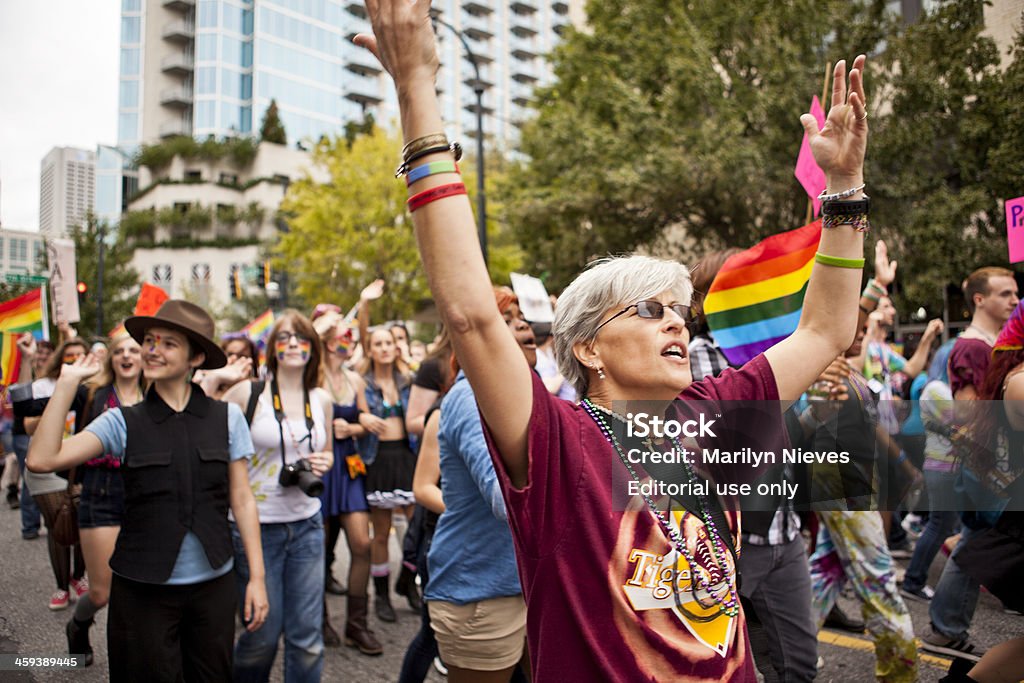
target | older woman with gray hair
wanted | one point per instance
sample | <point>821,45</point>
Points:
<point>617,588</point>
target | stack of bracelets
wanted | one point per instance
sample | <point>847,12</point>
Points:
<point>836,212</point>
<point>422,147</point>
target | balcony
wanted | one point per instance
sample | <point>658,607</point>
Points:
<point>478,7</point>
<point>178,64</point>
<point>357,8</point>
<point>560,7</point>
<point>523,6</point>
<point>523,31</point>
<point>363,94</point>
<point>179,32</point>
<point>524,54</point>
<point>179,5</point>
<point>478,28</point>
<point>170,129</point>
<point>524,72</point>
<point>180,98</point>
<point>360,62</point>
<point>485,81</point>
<point>560,28</point>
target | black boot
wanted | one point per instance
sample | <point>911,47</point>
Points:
<point>78,639</point>
<point>406,585</point>
<point>382,599</point>
<point>332,586</point>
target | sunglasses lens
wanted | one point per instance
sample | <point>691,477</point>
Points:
<point>649,309</point>
<point>682,311</point>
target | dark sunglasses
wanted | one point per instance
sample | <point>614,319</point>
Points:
<point>653,310</point>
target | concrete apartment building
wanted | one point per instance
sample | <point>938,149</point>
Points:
<point>67,186</point>
<point>195,220</point>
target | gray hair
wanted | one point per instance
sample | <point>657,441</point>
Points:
<point>605,284</point>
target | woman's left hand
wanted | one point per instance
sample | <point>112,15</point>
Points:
<point>256,604</point>
<point>840,145</point>
<point>321,462</point>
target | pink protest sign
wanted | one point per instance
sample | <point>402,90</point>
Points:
<point>1015,228</point>
<point>807,172</point>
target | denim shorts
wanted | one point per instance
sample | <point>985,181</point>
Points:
<point>102,502</point>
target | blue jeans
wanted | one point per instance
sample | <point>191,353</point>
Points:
<point>956,596</point>
<point>30,518</point>
<point>293,555</point>
<point>941,522</point>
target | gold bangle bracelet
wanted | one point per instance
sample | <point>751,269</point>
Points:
<point>422,143</point>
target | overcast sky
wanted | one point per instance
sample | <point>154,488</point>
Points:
<point>58,88</point>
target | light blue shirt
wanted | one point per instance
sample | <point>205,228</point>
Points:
<point>471,557</point>
<point>191,567</point>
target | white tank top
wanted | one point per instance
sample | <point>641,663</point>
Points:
<point>276,503</point>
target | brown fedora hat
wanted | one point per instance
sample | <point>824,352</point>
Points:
<point>187,318</point>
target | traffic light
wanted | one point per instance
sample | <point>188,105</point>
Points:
<point>83,289</point>
<point>235,282</point>
<point>266,274</point>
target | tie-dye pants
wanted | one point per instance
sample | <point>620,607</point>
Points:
<point>852,545</point>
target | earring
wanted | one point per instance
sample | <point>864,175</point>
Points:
<point>600,371</point>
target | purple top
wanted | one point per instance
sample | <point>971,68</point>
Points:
<point>968,363</point>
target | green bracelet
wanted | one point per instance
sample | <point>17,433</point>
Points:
<point>837,261</point>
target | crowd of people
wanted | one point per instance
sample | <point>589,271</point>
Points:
<point>214,478</point>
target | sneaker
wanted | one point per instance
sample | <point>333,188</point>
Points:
<point>1012,612</point>
<point>440,667</point>
<point>839,619</point>
<point>938,644</point>
<point>80,586</point>
<point>29,535</point>
<point>922,594</point>
<point>59,600</point>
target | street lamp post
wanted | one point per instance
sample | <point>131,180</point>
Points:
<point>478,88</point>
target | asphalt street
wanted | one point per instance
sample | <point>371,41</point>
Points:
<point>28,627</point>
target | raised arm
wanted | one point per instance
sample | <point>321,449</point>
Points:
<point>48,451</point>
<point>404,43</point>
<point>919,361</point>
<point>829,319</point>
<point>370,292</point>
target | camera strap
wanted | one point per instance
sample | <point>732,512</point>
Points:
<point>275,395</point>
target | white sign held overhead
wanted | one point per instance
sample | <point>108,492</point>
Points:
<point>534,301</point>
<point>63,280</point>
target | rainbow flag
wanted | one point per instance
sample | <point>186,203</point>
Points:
<point>26,313</point>
<point>757,296</point>
<point>259,328</point>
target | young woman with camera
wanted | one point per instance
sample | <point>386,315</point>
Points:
<point>293,451</point>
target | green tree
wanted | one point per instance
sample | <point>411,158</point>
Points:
<point>676,118</point>
<point>347,232</point>
<point>272,129</point>
<point>120,281</point>
<point>947,151</point>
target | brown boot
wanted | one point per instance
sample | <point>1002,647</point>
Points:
<point>357,633</point>
<point>331,637</point>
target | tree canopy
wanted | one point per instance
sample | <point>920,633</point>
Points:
<point>120,280</point>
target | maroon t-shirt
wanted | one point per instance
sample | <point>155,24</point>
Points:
<point>968,363</point>
<point>596,580</point>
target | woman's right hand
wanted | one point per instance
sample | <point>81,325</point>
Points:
<point>403,40</point>
<point>342,428</point>
<point>372,423</point>
<point>81,370</point>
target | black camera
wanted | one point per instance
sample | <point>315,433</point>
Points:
<point>300,473</point>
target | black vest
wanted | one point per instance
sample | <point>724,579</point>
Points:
<point>176,480</point>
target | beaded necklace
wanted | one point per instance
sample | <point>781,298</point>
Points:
<point>728,605</point>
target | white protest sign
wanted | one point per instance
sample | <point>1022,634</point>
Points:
<point>533,298</point>
<point>63,280</point>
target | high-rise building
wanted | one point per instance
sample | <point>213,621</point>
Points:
<point>211,67</point>
<point>22,252</point>
<point>67,185</point>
